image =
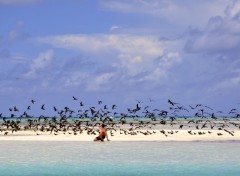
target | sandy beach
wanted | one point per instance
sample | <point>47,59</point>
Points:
<point>121,130</point>
<point>143,135</point>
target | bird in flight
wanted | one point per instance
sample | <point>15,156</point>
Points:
<point>43,107</point>
<point>171,102</point>
<point>74,98</point>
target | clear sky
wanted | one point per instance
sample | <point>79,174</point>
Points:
<point>120,51</point>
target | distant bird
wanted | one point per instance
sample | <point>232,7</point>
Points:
<point>33,101</point>
<point>74,98</point>
<point>191,107</point>
<point>171,102</point>
<point>15,108</point>
<point>54,108</point>
<point>198,105</point>
<point>43,107</point>
<point>81,103</point>
<point>114,107</point>
<point>139,101</point>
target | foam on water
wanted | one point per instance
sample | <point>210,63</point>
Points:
<point>120,158</point>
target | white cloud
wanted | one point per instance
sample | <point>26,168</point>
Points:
<point>16,33</point>
<point>163,64</point>
<point>177,12</point>
<point>220,35</point>
<point>113,28</point>
<point>129,53</point>
<point>102,43</point>
<point>39,64</point>
<point>133,59</point>
<point>133,52</point>
<point>100,82</point>
<point>226,84</point>
<point>74,78</point>
<point>143,6</point>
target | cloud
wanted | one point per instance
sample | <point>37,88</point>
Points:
<point>220,36</point>
<point>17,33</point>
<point>100,82</point>
<point>182,13</point>
<point>126,60</point>
<point>128,54</point>
<point>215,48</point>
<point>143,6</point>
<point>103,43</point>
<point>114,28</point>
<point>131,52</point>
<point>39,64</point>
<point>18,2</point>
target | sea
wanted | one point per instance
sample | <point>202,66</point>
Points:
<point>62,158</point>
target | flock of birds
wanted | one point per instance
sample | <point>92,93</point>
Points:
<point>140,119</point>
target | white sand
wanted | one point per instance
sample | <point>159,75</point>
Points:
<point>181,135</point>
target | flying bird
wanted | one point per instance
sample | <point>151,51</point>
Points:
<point>74,98</point>
<point>171,102</point>
<point>43,107</point>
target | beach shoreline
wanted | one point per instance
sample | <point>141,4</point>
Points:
<point>119,135</point>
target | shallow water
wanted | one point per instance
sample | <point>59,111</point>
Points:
<point>119,158</point>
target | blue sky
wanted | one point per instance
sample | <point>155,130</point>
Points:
<point>120,51</point>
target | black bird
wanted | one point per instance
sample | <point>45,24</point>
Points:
<point>171,102</point>
<point>29,107</point>
<point>114,107</point>
<point>74,98</point>
<point>15,108</point>
<point>43,107</point>
<point>55,109</point>
<point>191,107</point>
<point>81,103</point>
<point>137,107</point>
<point>33,101</point>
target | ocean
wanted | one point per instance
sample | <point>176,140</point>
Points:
<point>61,158</point>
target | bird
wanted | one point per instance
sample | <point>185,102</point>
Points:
<point>43,107</point>
<point>81,103</point>
<point>114,107</point>
<point>74,98</point>
<point>171,102</point>
<point>54,108</point>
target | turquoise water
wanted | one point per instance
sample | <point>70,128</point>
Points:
<point>120,158</point>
